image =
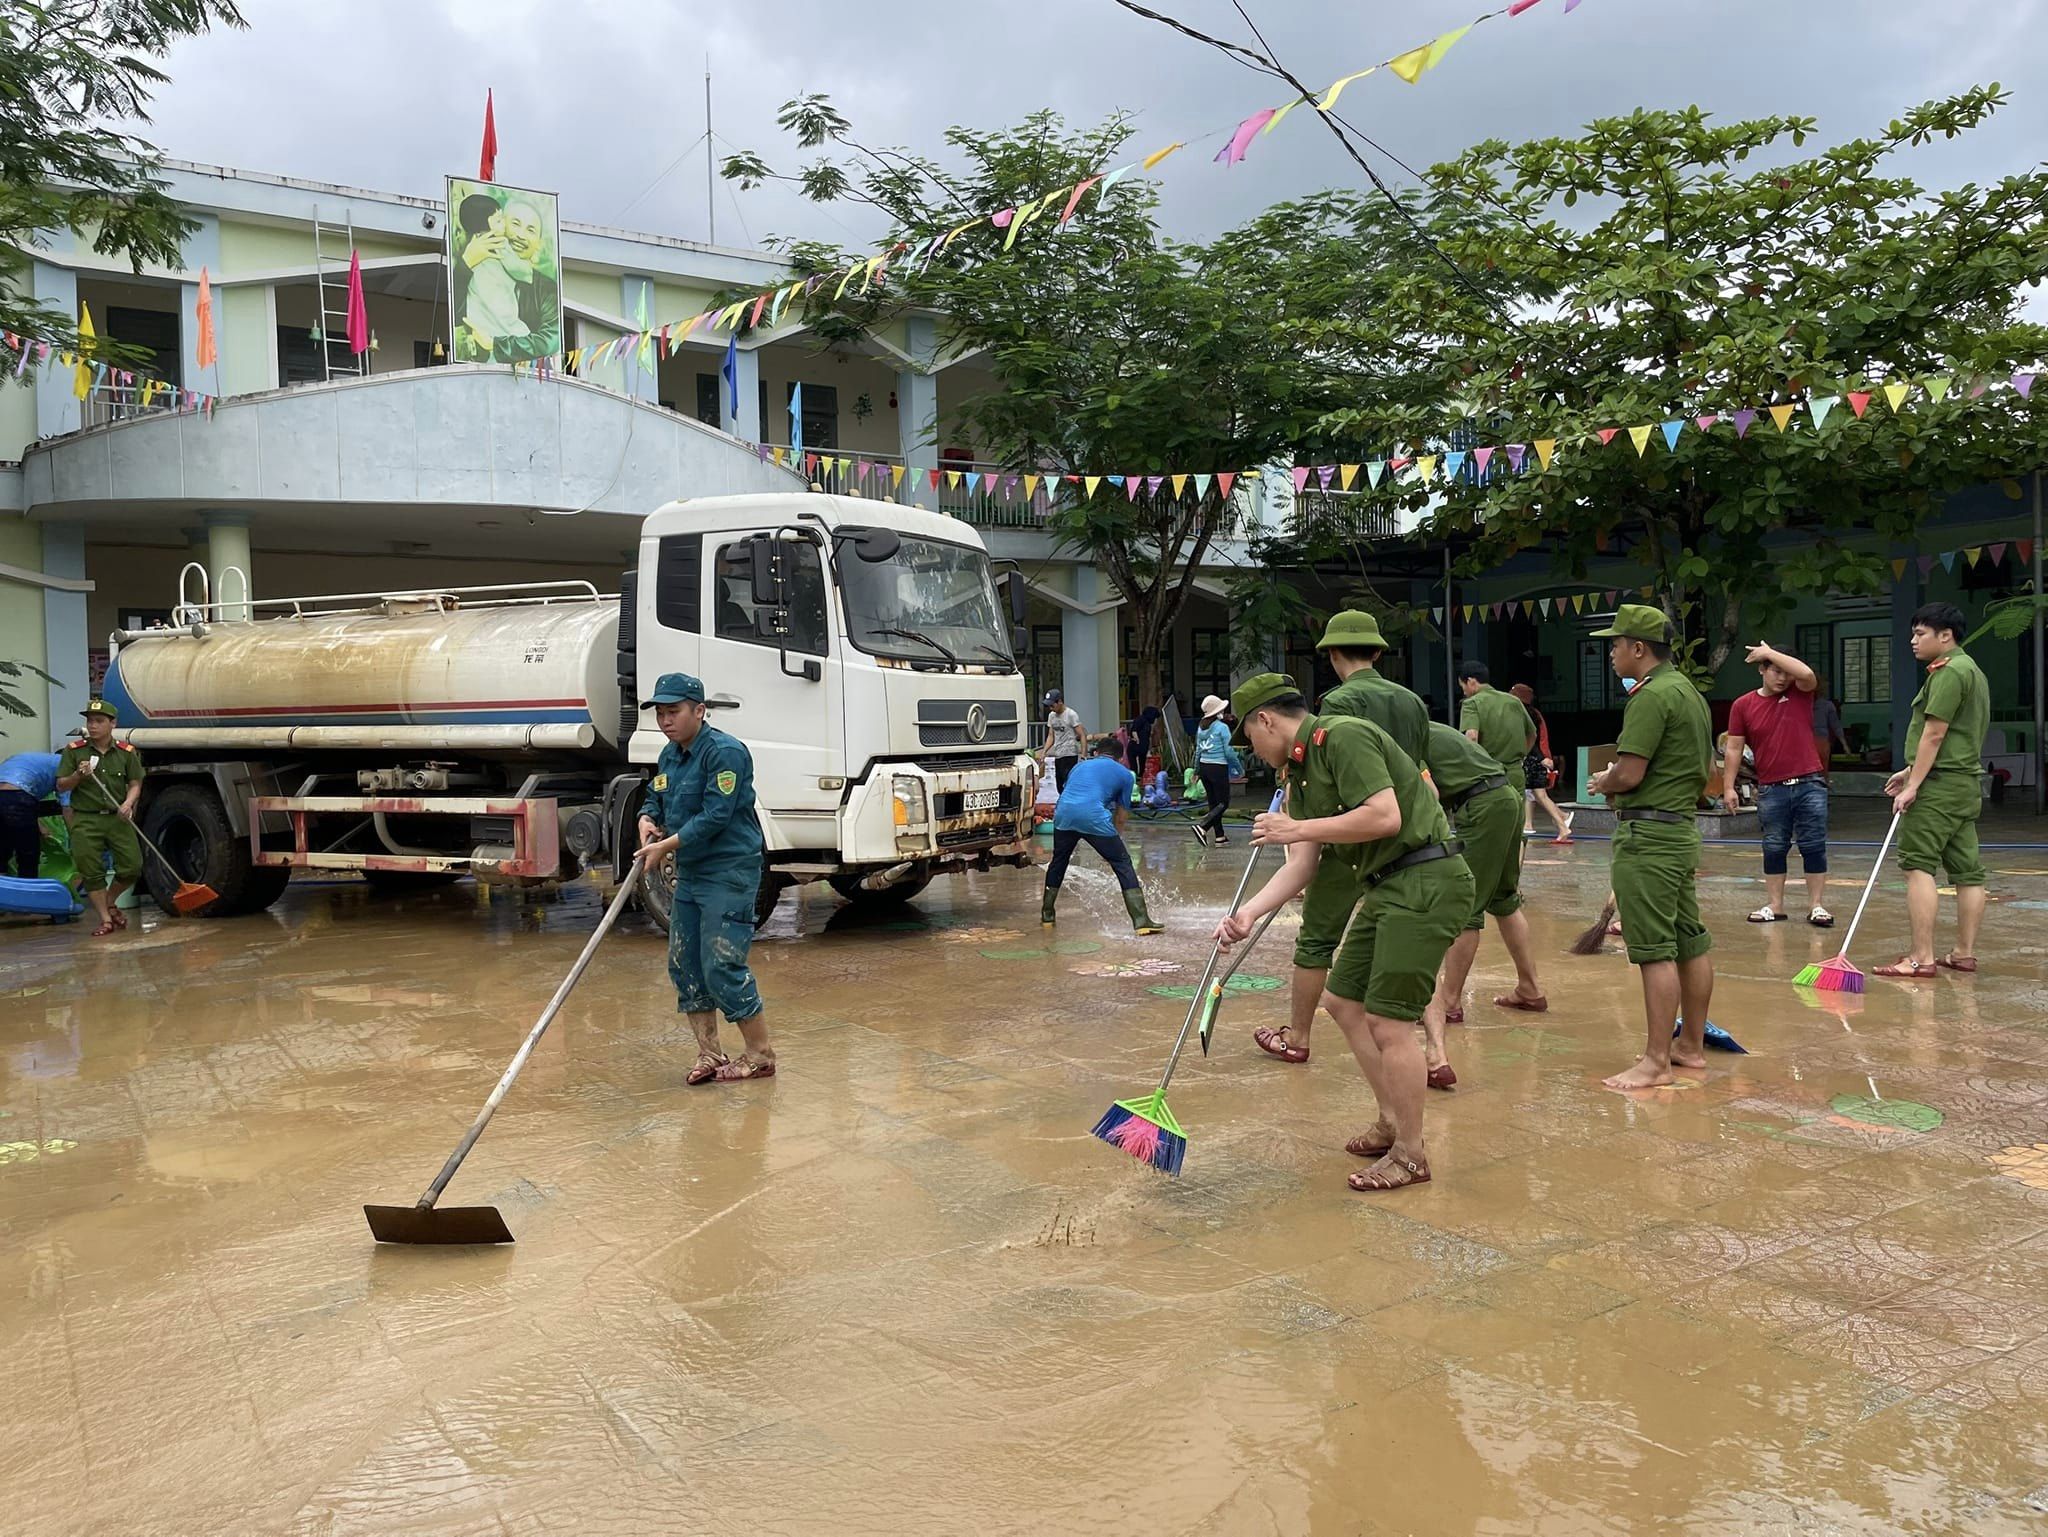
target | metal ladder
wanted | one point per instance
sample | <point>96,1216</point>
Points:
<point>332,270</point>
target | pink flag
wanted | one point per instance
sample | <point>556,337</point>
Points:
<point>1132,485</point>
<point>1997,553</point>
<point>1704,422</point>
<point>1300,477</point>
<point>1233,152</point>
<point>1481,455</point>
<point>358,311</point>
<point>1080,191</point>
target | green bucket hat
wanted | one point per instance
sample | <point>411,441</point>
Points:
<point>1257,691</point>
<point>1637,621</point>
<point>1352,627</point>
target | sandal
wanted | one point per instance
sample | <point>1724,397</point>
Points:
<point>1906,967</point>
<point>1275,1044</point>
<point>1366,1145</point>
<point>741,1068</point>
<point>1381,1176</point>
<point>1956,962</point>
<point>1766,915</point>
<point>104,930</point>
<point>1614,929</point>
<point>1454,1016</point>
<point>1537,1005</point>
<point>1443,1078</point>
<point>1821,918</point>
<point>706,1069</point>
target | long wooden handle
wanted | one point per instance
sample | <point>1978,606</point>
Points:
<point>547,1015</point>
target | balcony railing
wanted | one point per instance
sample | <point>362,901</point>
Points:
<point>1340,517</point>
<point>114,401</point>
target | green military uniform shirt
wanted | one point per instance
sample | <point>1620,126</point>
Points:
<point>1456,762</point>
<point>120,767</point>
<point>1337,765</point>
<point>1954,691</point>
<point>1365,695</point>
<point>1502,722</point>
<point>1667,724</point>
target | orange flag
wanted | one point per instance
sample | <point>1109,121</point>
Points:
<point>208,354</point>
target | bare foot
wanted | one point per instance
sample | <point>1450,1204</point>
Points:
<point>1681,1057</point>
<point>1646,1074</point>
<point>1374,1142</point>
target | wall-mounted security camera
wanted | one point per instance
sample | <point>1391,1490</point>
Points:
<point>427,221</point>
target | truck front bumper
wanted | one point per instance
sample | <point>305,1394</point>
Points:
<point>943,816</point>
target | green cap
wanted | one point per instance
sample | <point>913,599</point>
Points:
<point>1637,621</point>
<point>1259,690</point>
<point>1352,627</point>
<point>100,707</point>
<point>675,688</point>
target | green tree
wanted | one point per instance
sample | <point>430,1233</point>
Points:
<point>68,70</point>
<point>1666,267</point>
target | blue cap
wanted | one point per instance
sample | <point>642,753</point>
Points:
<point>675,688</point>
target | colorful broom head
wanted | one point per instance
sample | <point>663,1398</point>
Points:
<point>1146,1130</point>
<point>1835,976</point>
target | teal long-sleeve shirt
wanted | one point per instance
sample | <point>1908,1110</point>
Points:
<point>704,793</point>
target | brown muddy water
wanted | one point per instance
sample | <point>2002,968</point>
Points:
<point>900,1286</point>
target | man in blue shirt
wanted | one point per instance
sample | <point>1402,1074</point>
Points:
<point>702,799</point>
<point>1091,810</point>
<point>26,780</point>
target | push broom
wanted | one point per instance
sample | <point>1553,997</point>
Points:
<point>1837,975</point>
<point>190,895</point>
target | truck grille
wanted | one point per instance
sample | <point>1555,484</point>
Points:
<point>997,735</point>
<point>964,763</point>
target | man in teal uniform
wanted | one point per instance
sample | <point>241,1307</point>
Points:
<point>1354,646</point>
<point>1937,795</point>
<point>1662,763</point>
<point>1498,722</point>
<point>700,808</point>
<point>1359,808</point>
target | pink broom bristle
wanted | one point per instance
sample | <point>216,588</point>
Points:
<point>1138,1137</point>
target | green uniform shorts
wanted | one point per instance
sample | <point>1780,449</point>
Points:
<point>1939,830</point>
<point>1396,943</point>
<point>1655,865</point>
<point>1490,826</point>
<point>94,835</point>
<point>1326,908</point>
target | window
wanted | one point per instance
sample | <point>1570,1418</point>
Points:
<point>1867,669</point>
<point>1596,677</point>
<point>1303,664</point>
<point>678,576</point>
<point>710,404</point>
<point>1133,699</point>
<point>423,354</point>
<point>803,588</point>
<point>1811,644</point>
<point>1045,662</point>
<point>821,417</point>
<point>1212,664</point>
<point>156,330</point>
<point>300,359</point>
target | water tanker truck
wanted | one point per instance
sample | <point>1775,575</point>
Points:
<point>859,648</point>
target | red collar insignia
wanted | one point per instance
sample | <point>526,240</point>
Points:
<point>1298,752</point>
<point>1317,735</point>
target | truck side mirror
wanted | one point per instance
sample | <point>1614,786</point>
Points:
<point>764,572</point>
<point>1014,585</point>
<point>875,545</point>
<point>1020,640</point>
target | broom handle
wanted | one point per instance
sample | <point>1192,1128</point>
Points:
<point>1215,954</point>
<point>476,1129</point>
<point>108,796</point>
<point>1868,887</point>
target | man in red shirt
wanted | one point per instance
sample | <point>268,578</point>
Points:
<point>1776,721</point>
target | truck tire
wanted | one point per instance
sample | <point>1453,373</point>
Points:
<point>658,891</point>
<point>849,887</point>
<point>400,883</point>
<point>191,827</point>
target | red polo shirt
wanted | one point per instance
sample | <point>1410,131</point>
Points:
<point>1779,730</point>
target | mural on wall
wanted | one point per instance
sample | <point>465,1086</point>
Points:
<point>504,273</point>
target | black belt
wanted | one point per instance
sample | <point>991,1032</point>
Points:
<point>1644,814</point>
<point>1796,779</point>
<point>1464,795</point>
<point>1421,856</point>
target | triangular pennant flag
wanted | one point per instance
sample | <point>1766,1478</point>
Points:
<point>1399,463</point>
<point>1233,152</point>
<point>1781,415</point>
<point>1030,487</point>
<point>1578,602</point>
<point>1159,154</point>
<point>932,478</point>
<point>1607,435</point>
<point>1671,432</point>
<point>1115,480</point>
<point>1425,467</point>
<point>1898,568</point>
<point>1453,462</point>
<point>1517,452</point>
<point>1743,420</point>
<point>1948,560</point>
<point>1133,484</point>
<point>1973,553</point>
<point>1997,553</point>
<point>1895,395</point>
<point>1153,483</point>
<point>1225,479</point>
<point>1611,595</point>
<point>1545,447</point>
<point>862,468</point>
<point>1300,476</point>
<point>1543,607</point>
<point>1346,474</point>
<point>2024,548</point>
<point>1089,483</point>
<point>1274,121</point>
<point>1410,65</point>
<point>1436,613</point>
<point>1329,98</point>
<point>1937,387</point>
<point>1978,387</point>
<point>953,480</point>
<point>1479,458</point>
<point>895,475</point>
<point>1202,486</point>
<point>1704,423</point>
<point>1640,436</point>
<point>1325,473</point>
<point>1180,486</point>
<point>1528,609</point>
<point>973,478</point>
<point>1924,562</point>
<point>1466,612</point>
<point>1820,405</point>
<point>2024,383</point>
<point>1374,469</point>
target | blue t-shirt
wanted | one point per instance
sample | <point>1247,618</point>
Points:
<point>1094,790</point>
<point>35,772</point>
<point>1213,743</point>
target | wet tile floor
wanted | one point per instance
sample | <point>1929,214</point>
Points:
<point>900,1285</point>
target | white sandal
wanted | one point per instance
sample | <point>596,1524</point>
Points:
<point>1821,918</point>
<point>1765,915</point>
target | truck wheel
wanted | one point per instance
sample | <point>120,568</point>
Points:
<point>849,886</point>
<point>658,892</point>
<point>399,883</point>
<point>191,827</point>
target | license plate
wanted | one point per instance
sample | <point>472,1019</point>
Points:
<point>981,800</point>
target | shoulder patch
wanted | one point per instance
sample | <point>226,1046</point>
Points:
<point>1298,753</point>
<point>1318,735</point>
<point>728,781</point>
<point>661,781</point>
<point>1937,664</point>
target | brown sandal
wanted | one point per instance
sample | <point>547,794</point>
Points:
<point>1906,968</point>
<point>1443,1078</point>
<point>742,1068</point>
<point>1454,1016</point>
<point>104,930</point>
<point>1360,1147</point>
<point>1381,1175</point>
<point>1537,1005</point>
<point>1275,1044</point>
<point>705,1070</point>
<point>1954,962</point>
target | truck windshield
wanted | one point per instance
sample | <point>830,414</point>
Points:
<point>929,602</point>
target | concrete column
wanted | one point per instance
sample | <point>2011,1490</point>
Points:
<point>636,296</point>
<point>58,408</point>
<point>65,641</point>
<point>1082,653</point>
<point>747,426</point>
<point>202,249</point>
<point>917,409</point>
<point>1906,596</point>
<point>227,545</point>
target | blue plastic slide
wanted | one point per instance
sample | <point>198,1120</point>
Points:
<point>52,898</point>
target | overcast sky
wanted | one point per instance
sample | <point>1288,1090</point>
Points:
<point>595,100</point>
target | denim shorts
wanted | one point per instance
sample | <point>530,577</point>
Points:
<point>1794,813</point>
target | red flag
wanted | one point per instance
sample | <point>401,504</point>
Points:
<point>358,311</point>
<point>487,163</point>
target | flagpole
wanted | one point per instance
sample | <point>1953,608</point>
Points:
<point>710,160</point>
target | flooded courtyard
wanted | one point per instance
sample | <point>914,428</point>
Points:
<point>900,1286</point>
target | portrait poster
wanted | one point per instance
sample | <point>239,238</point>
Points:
<point>504,273</point>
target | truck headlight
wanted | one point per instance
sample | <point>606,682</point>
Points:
<point>910,806</point>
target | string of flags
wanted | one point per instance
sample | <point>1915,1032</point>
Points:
<point>871,271</point>
<point>856,476</point>
<point>87,376</point>
<point>1601,601</point>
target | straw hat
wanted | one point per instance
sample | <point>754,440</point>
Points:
<point>1213,707</point>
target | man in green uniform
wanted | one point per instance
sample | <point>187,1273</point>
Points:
<point>702,798</point>
<point>104,777</point>
<point>1484,803</point>
<point>1662,763</point>
<point>1357,807</point>
<point>1498,722</point>
<point>1354,645</point>
<point>1937,795</point>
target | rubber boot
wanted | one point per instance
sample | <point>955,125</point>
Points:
<point>1046,904</point>
<point>1141,921</point>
